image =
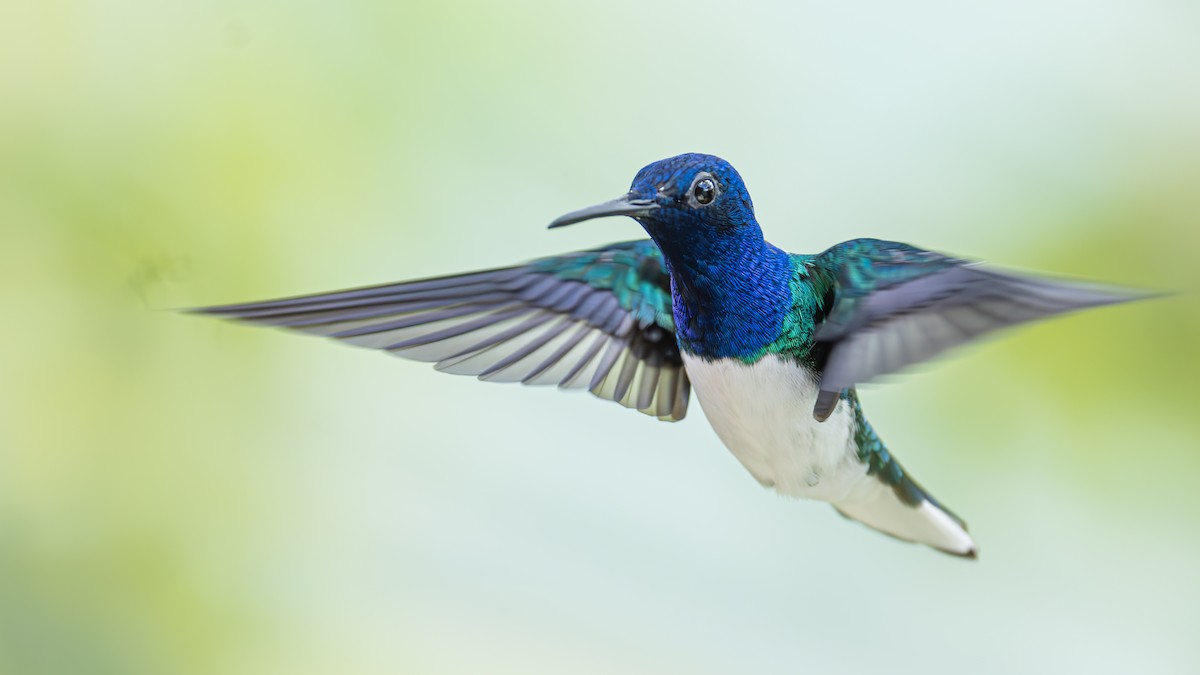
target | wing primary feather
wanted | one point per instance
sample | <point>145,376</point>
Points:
<point>321,317</point>
<point>562,290</point>
<point>594,305</point>
<point>629,369</point>
<point>505,335</point>
<point>667,383</point>
<point>572,298</point>
<point>559,353</point>
<point>534,345</point>
<point>682,391</point>
<point>618,323</point>
<point>989,312</point>
<point>955,324</point>
<point>612,317</point>
<point>539,288</point>
<point>480,280</point>
<point>647,385</point>
<point>615,346</point>
<point>463,328</point>
<point>420,319</point>
<point>587,358</point>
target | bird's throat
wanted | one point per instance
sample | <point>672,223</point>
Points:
<point>730,299</point>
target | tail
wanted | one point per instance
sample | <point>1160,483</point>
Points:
<point>895,504</point>
<point>927,522</point>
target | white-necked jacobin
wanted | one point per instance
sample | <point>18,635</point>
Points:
<point>773,342</point>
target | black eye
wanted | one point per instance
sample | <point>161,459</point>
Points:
<point>704,191</point>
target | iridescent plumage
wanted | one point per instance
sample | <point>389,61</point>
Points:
<point>775,342</point>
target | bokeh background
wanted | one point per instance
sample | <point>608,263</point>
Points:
<point>179,495</point>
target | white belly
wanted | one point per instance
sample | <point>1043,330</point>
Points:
<point>763,414</point>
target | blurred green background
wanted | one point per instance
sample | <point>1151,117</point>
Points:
<point>179,495</point>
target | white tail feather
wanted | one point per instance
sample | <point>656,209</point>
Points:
<point>926,523</point>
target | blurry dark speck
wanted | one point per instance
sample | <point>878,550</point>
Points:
<point>155,280</point>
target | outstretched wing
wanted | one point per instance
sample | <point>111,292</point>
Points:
<point>889,305</point>
<point>597,319</point>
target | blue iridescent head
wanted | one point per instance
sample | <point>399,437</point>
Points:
<point>730,289</point>
<point>690,198</point>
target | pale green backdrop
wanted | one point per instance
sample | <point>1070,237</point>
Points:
<point>179,495</point>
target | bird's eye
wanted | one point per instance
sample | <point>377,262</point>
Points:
<point>705,191</point>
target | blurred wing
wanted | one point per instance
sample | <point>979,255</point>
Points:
<point>894,305</point>
<point>599,320</point>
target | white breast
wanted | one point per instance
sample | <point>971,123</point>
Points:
<point>763,414</point>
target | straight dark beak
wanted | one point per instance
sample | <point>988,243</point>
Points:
<point>629,205</point>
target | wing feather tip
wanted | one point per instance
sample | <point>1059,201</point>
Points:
<point>826,403</point>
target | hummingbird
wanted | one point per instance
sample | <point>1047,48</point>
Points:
<point>773,343</point>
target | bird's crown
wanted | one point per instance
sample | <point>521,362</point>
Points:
<point>694,188</point>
